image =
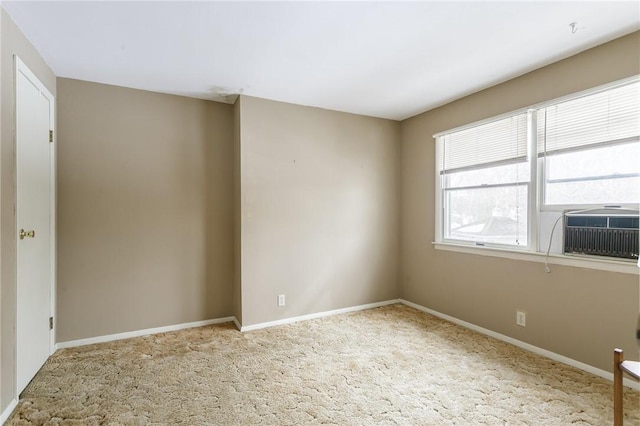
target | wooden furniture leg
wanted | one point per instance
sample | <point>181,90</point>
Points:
<point>618,414</point>
<point>620,367</point>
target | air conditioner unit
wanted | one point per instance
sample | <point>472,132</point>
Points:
<point>610,232</point>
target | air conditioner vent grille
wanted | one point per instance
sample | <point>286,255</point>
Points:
<point>601,235</point>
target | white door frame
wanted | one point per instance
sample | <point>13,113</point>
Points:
<point>20,67</point>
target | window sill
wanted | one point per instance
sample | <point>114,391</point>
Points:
<point>554,259</point>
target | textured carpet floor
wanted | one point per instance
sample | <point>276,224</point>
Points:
<point>385,366</point>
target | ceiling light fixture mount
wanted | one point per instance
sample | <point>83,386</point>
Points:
<point>574,27</point>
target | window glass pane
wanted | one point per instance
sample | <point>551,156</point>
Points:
<point>607,160</point>
<point>509,173</point>
<point>603,192</point>
<point>487,215</point>
<point>594,176</point>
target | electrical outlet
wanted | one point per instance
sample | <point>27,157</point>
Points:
<point>281,300</point>
<point>521,318</point>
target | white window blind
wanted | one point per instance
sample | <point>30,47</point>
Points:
<point>611,116</point>
<point>499,142</point>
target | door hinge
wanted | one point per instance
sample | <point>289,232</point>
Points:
<point>50,135</point>
<point>50,323</point>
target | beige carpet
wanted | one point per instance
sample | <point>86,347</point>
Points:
<point>387,366</point>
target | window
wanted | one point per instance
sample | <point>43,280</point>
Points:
<point>591,148</point>
<point>505,181</point>
<point>485,182</point>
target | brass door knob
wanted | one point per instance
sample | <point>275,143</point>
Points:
<point>28,234</point>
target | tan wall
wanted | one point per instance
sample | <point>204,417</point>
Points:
<point>2,403</point>
<point>237,225</point>
<point>320,221</point>
<point>13,43</point>
<point>145,210</point>
<point>579,313</point>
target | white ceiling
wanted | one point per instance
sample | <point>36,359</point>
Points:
<point>383,59</point>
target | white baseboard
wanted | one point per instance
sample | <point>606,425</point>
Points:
<point>317,315</point>
<point>138,333</point>
<point>7,412</point>
<point>237,323</point>
<point>548,354</point>
<point>526,346</point>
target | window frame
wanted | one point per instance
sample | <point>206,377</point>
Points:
<point>541,170</point>
<point>536,185</point>
<point>545,207</point>
<point>512,184</point>
<point>531,185</point>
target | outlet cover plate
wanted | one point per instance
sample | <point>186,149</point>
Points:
<point>281,300</point>
<point>521,318</point>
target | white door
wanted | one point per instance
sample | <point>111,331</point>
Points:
<point>34,161</point>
